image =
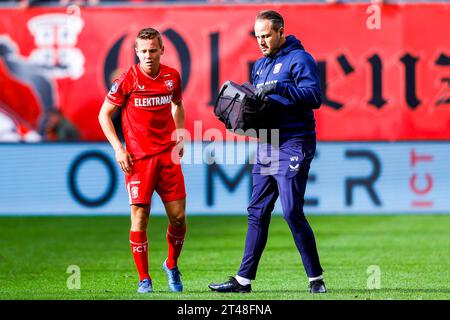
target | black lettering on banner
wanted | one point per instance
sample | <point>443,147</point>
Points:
<point>322,66</point>
<point>376,65</point>
<point>345,64</point>
<point>364,182</point>
<point>184,55</point>
<point>73,183</point>
<point>444,60</point>
<point>231,184</point>
<point>410,80</point>
<point>377,82</point>
<point>214,70</point>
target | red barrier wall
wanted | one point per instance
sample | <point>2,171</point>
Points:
<point>390,83</point>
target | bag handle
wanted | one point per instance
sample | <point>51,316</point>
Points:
<point>220,93</point>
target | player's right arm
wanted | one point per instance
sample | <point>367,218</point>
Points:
<point>123,158</point>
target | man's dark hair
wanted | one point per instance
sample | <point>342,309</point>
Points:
<point>149,33</point>
<point>273,16</point>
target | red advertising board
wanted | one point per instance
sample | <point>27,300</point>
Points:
<point>388,82</point>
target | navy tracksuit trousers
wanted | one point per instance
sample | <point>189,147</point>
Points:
<point>280,172</point>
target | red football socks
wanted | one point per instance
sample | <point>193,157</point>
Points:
<point>139,248</point>
<point>175,240</point>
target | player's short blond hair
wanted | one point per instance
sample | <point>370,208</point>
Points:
<point>149,33</point>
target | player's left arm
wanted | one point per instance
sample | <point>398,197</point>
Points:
<point>178,117</point>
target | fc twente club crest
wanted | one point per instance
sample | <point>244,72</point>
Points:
<point>169,84</point>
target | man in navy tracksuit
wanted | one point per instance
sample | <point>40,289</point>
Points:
<point>287,83</point>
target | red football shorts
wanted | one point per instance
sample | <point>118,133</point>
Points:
<point>157,172</point>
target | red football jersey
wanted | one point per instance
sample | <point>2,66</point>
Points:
<point>147,121</point>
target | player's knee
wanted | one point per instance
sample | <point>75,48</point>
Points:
<point>139,218</point>
<point>178,220</point>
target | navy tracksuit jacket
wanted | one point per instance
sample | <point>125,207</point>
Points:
<point>282,171</point>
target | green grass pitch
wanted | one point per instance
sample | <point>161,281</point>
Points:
<point>412,253</point>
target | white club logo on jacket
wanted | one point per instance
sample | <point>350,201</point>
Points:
<point>293,167</point>
<point>277,68</point>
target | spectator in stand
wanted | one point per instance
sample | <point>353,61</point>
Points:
<point>59,128</point>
